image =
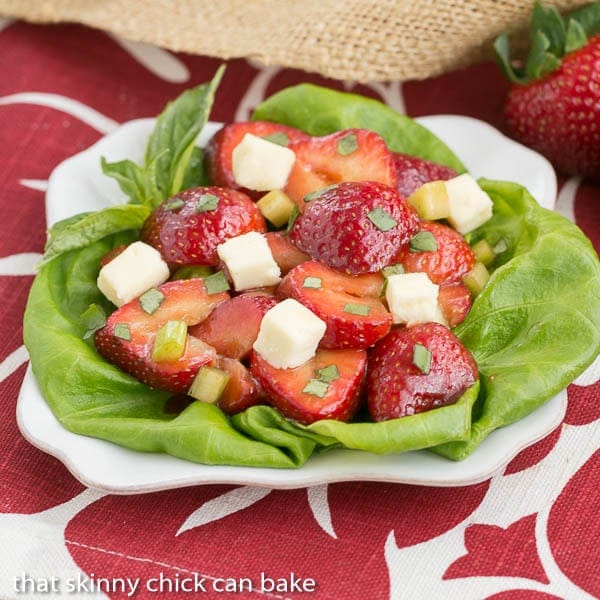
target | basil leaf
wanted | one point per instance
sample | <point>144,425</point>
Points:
<point>129,176</point>
<point>176,130</point>
<point>319,111</point>
<point>87,228</point>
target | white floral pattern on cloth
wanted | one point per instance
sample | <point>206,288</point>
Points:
<point>507,538</point>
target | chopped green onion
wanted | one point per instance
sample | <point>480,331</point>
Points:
<point>476,278</point>
<point>280,138</point>
<point>122,331</point>
<point>209,384</point>
<point>483,252</point>
<point>151,300</point>
<point>207,202</point>
<point>500,247</point>
<point>314,283</point>
<point>347,145</point>
<point>431,201</point>
<point>382,220</point>
<point>93,318</point>
<point>328,374</point>
<point>277,207</point>
<point>174,204</point>
<point>316,387</point>
<point>216,283</point>
<point>424,241</point>
<point>169,343</point>
<point>422,358</point>
<point>357,309</point>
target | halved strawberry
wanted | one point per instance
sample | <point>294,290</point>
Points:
<point>242,390</point>
<point>127,338</point>
<point>348,155</point>
<point>327,386</point>
<point>220,147</point>
<point>412,172</point>
<point>355,226</point>
<point>349,304</point>
<point>417,368</point>
<point>232,327</point>
<point>286,255</point>
<point>455,301</point>
<point>187,228</point>
<point>448,262</point>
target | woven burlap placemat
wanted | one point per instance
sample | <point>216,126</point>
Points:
<point>360,40</point>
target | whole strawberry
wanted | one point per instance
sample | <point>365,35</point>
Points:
<point>554,104</point>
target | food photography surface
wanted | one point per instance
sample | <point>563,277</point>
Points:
<point>253,284</point>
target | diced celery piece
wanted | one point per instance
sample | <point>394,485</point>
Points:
<point>192,272</point>
<point>209,384</point>
<point>484,253</point>
<point>169,343</point>
<point>476,278</point>
<point>431,201</point>
<point>276,207</point>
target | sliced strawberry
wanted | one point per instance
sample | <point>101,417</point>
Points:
<point>455,301</point>
<point>449,263</point>
<point>412,172</point>
<point>356,227</point>
<point>349,304</point>
<point>286,255</point>
<point>220,148</point>
<point>400,381</point>
<point>326,387</point>
<point>242,390</point>
<point>232,327</point>
<point>349,155</point>
<point>184,300</point>
<point>187,228</point>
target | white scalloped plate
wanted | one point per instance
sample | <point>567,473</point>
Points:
<point>78,185</point>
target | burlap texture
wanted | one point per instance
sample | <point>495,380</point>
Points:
<point>361,40</point>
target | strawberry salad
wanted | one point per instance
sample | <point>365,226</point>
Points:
<point>296,286</point>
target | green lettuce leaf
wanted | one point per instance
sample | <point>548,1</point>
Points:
<point>319,111</point>
<point>536,325</point>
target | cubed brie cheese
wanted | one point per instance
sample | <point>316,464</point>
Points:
<point>289,335</point>
<point>137,269</point>
<point>470,206</point>
<point>413,298</point>
<point>261,165</point>
<point>249,261</point>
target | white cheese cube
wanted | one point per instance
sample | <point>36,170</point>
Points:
<point>261,165</point>
<point>413,298</point>
<point>289,335</point>
<point>249,261</point>
<point>470,206</point>
<point>137,269</point>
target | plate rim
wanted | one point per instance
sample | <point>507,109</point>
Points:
<point>224,474</point>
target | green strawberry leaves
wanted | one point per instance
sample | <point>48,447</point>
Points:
<point>552,37</point>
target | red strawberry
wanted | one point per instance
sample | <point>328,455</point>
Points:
<point>184,300</point>
<point>187,228</point>
<point>232,327</point>
<point>220,148</point>
<point>242,390</point>
<point>112,254</point>
<point>401,383</point>
<point>455,301</point>
<point>327,386</point>
<point>349,155</point>
<point>448,263</point>
<point>356,227</point>
<point>286,255</point>
<point>554,104</point>
<point>349,304</point>
<point>412,172</point>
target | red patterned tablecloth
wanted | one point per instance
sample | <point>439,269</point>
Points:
<point>530,532</point>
